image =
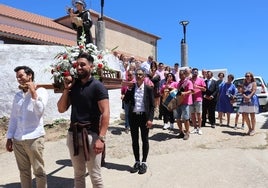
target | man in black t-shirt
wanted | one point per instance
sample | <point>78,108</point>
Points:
<point>90,115</point>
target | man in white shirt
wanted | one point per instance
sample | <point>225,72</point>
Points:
<point>146,65</point>
<point>141,113</point>
<point>26,131</point>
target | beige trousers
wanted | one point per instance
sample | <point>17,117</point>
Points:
<point>29,153</point>
<point>80,164</point>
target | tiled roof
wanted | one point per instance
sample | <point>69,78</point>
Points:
<point>17,32</point>
<point>33,37</point>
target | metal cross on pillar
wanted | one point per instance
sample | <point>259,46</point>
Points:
<point>184,47</point>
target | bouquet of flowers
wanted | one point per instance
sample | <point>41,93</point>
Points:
<point>65,62</point>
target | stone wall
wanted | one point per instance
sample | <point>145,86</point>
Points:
<point>39,58</point>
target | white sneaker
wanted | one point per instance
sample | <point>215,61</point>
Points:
<point>199,131</point>
<point>194,131</point>
<point>166,126</point>
<point>171,126</point>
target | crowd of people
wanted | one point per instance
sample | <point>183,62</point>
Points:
<point>197,98</point>
<point>203,95</point>
<point>148,90</point>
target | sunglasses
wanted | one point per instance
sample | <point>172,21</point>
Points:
<point>139,74</point>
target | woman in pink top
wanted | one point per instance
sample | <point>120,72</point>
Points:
<point>170,85</point>
<point>130,79</point>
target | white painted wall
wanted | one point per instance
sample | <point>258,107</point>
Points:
<point>39,58</point>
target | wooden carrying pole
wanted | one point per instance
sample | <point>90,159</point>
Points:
<point>109,83</point>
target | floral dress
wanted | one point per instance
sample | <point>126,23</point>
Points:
<point>251,106</point>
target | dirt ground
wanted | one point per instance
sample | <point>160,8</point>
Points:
<point>55,131</point>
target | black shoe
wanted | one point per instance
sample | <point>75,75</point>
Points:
<point>135,168</point>
<point>181,135</point>
<point>143,168</point>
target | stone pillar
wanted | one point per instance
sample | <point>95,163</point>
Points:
<point>184,54</point>
<point>100,35</point>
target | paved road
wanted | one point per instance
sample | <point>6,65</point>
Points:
<point>221,157</point>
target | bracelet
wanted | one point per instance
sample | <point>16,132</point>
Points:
<point>102,138</point>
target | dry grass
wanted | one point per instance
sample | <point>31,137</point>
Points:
<point>55,131</point>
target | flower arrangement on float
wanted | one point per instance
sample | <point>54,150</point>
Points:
<point>65,62</point>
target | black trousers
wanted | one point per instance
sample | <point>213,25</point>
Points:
<point>138,122</point>
<point>168,115</point>
<point>208,107</point>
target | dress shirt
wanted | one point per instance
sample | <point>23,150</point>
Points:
<point>146,66</point>
<point>209,82</point>
<point>26,119</point>
<point>138,96</point>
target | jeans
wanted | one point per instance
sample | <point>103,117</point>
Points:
<point>29,153</point>
<point>80,164</point>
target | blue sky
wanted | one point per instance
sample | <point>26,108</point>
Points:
<point>230,34</point>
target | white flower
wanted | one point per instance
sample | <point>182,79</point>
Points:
<point>65,62</point>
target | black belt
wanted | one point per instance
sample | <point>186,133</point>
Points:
<point>139,113</point>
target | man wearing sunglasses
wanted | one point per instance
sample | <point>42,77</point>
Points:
<point>140,98</point>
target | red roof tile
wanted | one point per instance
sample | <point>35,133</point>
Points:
<point>27,34</point>
<point>31,18</point>
<point>34,37</point>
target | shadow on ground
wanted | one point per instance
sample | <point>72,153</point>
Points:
<point>265,124</point>
<point>52,181</point>
<point>119,167</point>
<point>234,133</point>
<point>116,130</point>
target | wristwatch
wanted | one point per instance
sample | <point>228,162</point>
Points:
<point>102,138</point>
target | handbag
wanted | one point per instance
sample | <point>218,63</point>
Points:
<point>172,99</point>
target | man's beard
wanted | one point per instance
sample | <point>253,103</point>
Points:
<point>83,75</point>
